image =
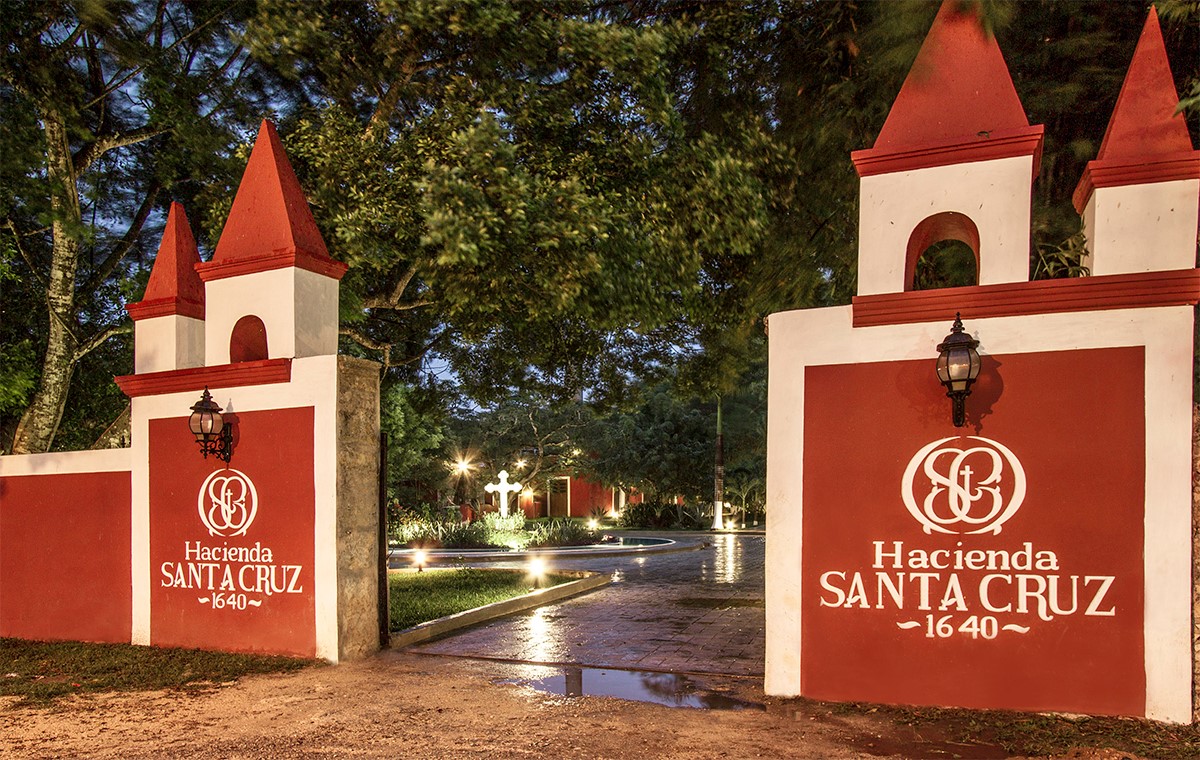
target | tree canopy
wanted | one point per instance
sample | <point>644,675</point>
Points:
<point>569,200</point>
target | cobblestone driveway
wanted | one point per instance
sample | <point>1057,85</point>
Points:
<point>683,612</point>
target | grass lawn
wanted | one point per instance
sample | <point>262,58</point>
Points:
<point>419,597</point>
<point>41,671</point>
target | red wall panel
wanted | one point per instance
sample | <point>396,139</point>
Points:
<point>894,610</point>
<point>231,567</point>
<point>64,557</point>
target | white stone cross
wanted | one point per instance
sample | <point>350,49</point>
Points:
<point>503,488</point>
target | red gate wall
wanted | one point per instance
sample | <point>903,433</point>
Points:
<point>1062,625</point>
<point>64,557</point>
<point>253,592</point>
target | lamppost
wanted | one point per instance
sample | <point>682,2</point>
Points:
<point>957,368</point>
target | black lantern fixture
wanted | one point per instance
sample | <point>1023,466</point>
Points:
<point>957,367</point>
<point>207,424</point>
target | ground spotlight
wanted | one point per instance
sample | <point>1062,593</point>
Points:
<point>537,570</point>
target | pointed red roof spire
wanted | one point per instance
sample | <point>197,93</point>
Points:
<point>1146,141</point>
<point>1144,123</point>
<point>957,104</point>
<point>958,88</point>
<point>270,225</point>
<point>174,287</point>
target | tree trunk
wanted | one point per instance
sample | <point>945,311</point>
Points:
<point>35,433</point>
<point>719,476</point>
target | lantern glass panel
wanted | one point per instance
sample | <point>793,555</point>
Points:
<point>943,371</point>
<point>975,364</point>
<point>959,368</point>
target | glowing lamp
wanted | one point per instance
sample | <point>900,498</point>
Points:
<point>537,569</point>
<point>957,368</point>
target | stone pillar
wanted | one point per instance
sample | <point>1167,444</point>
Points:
<point>1195,562</point>
<point>357,507</point>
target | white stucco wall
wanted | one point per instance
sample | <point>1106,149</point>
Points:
<point>299,309</point>
<point>995,194</point>
<point>1142,228</point>
<point>170,342</point>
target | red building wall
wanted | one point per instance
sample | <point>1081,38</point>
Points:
<point>586,496</point>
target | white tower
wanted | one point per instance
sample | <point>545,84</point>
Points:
<point>271,282</point>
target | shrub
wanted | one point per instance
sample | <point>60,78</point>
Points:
<point>693,517</point>
<point>562,531</point>
<point>647,514</point>
<point>436,529</point>
<point>461,535</point>
<point>505,531</point>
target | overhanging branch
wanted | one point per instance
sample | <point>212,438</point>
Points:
<point>123,246</point>
<point>97,340</point>
<point>90,153</point>
<point>37,276</point>
<point>392,300</point>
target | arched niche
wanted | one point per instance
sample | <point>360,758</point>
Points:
<point>248,341</point>
<point>947,233</point>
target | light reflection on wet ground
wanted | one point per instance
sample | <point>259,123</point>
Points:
<point>670,689</point>
<point>684,612</point>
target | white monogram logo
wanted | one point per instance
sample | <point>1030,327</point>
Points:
<point>965,487</point>
<point>227,503</point>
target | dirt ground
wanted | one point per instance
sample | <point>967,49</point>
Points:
<point>402,705</point>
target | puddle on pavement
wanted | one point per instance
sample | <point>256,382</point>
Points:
<point>668,689</point>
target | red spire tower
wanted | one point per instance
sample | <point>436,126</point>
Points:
<point>271,282</point>
<point>1146,169</point>
<point>954,161</point>
<point>169,320</point>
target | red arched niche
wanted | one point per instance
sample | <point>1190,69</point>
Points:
<point>248,343</point>
<point>947,225</point>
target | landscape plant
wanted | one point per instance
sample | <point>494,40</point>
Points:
<point>646,514</point>
<point>416,598</point>
<point>427,527</point>
<point>562,531</point>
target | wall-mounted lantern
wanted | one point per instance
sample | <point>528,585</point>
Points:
<point>957,367</point>
<point>207,424</point>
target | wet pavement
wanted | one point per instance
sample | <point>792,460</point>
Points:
<point>681,612</point>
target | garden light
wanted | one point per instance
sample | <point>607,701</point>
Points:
<point>419,559</point>
<point>957,368</point>
<point>462,467</point>
<point>537,569</point>
<point>593,524</point>
<point>210,430</point>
